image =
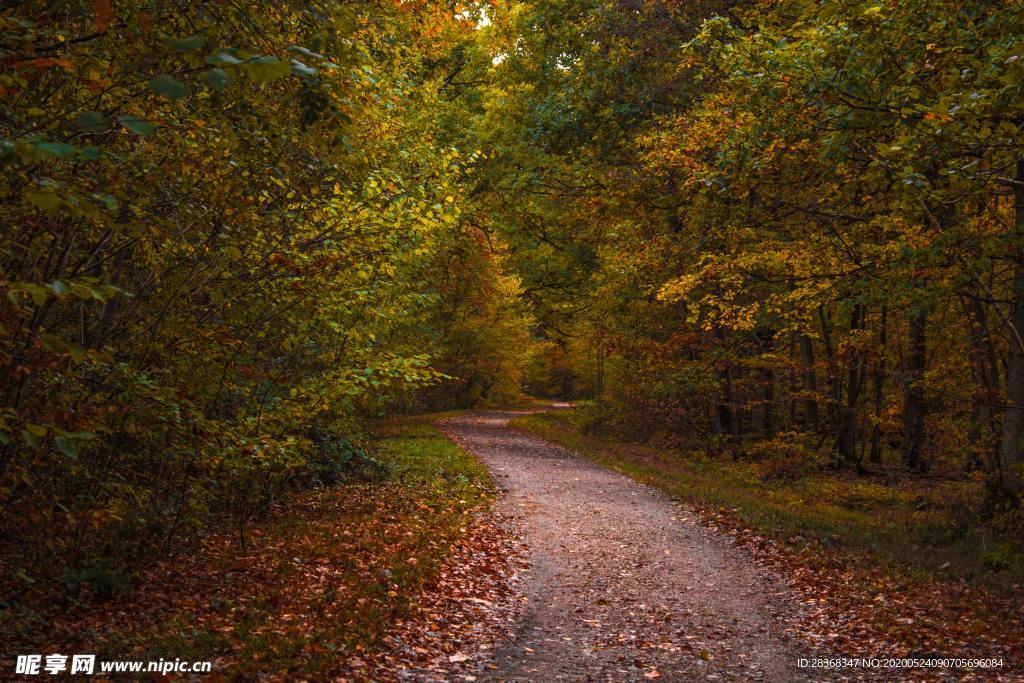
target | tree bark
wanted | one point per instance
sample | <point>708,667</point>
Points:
<point>983,434</point>
<point>810,384</point>
<point>913,394</point>
<point>1010,482</point>
<point>769,403</point>
<point>726,417</point>
<point>846,438</point>
<point>879,380</point>
<point>832,377</point>
<point>792,377</point>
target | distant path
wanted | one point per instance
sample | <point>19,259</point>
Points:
<point>625,585</point>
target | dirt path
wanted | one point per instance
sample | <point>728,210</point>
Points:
<point>625,585</point>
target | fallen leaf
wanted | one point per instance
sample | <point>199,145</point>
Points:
<point>103,15</point>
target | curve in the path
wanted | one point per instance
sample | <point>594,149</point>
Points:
<point>625,585</point>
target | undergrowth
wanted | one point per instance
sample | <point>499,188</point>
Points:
<point>322,576</point>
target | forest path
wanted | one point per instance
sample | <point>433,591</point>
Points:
<point>625,585</point>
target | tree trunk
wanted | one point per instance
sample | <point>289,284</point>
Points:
<point>1010,482</point>
<point>769,403</point>
<point>792,376</point>
<point>832,377</point>
<point>810,384</point>
<point>879,378</point>
<point>846,438</point>
<point>913,394</point>
<point>726,418</point>
<point>983,434</point>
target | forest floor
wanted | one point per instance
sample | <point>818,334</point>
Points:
<point>385,578</point>
<point>487,553</point>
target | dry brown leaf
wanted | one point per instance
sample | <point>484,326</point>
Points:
<point>103,15</point>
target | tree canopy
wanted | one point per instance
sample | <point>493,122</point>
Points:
<point>235,232</point>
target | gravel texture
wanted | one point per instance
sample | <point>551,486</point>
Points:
<point>625,584</point>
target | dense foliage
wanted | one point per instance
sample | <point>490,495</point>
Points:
<point>229,235</point>
<point>783,230</point>
<point>788,231</point>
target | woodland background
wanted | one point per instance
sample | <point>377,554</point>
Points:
<point>789,234</point>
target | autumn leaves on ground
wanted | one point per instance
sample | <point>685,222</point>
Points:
<point>329,583</point>
<point>256,254</point>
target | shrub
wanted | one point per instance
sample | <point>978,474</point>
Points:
<point>785,457</point>
<point>336,459</point>
<point>97,579</point>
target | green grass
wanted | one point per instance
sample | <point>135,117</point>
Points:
<point>325,574</point>
<point>924,525</point>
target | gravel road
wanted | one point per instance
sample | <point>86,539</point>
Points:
<point>625,585</point>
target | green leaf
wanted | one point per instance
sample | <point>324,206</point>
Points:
<point>66,446</point>
<point>266,68</point>
<point>223,58</point>
<point>78,354</point>
<point>57,149</point>
<point>30,438</point>
<point>190,44</point>
<point>169,87</point>
<point>39,294</point>
<point>137,124</point>
<point>82,291</point>
<point>38,430</point>
<point>109,201</point>
<point>304,51</point>
<point>216,79</point>
<point>53,343</point>
<point>300,69</point>
<point>47,201</point>
<point>91,122</point>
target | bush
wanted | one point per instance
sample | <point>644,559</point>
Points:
<point>785,457</point>
<point>97,580</point>
<point>663,396</point>
<point>589,417</point>
<point>943,532</point>
<point>1001,558</point>
<point>336,459</point>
